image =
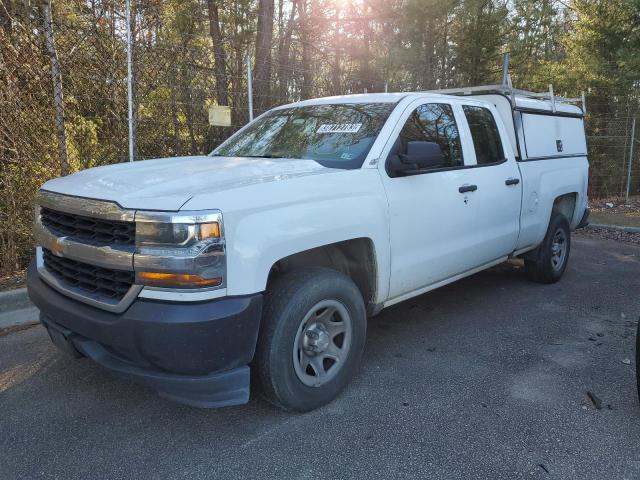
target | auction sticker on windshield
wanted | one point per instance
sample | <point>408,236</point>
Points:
<point>339,128</point>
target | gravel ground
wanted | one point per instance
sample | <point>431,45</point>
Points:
<point>485,378</point>
<point>616,211</point>
<point>616,205</point>
<point>607,234</point>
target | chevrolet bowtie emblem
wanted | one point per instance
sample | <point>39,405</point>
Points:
<point>57,247</point>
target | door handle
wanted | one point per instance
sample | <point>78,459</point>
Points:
<point>468,188</point>
<point>511,181</point>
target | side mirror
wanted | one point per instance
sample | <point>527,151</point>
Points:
<point>420,156</point>
<point>423,155</point>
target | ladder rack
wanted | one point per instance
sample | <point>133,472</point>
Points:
<point>512,93</point>
<point>506,89</point>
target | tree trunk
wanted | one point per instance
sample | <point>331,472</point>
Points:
<point>262,64</point>
<point>444,55</point>
<point>336,73</point>
<point>186,78</point>
<point>429,46</point>
<point>177,143</point>
<point>284,71</point>
<point>222,92</point>
<point>56,76</point>
<point>306,51</point>
<point>134,84</point>
<point>6,20</point>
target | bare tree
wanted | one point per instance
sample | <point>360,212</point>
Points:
<point>284,50</point>
<point>305,39</point>
<point>6,20</point>
<point>219,54</point>
<point>262,68</point>
<point>56,76</point>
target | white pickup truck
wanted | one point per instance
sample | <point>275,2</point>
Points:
<point>266,257</point>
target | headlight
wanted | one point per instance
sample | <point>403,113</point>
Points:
<point>187,237</point>
<point>184,250</point>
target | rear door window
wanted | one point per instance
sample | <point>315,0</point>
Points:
<point>484,132</point>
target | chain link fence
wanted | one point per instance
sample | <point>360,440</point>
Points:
<point>614,155</point>
<point>63,99</point>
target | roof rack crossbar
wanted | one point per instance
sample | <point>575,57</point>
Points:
<point>512,92</point>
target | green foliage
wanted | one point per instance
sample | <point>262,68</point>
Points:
<point>479,31</point>
<point>534,40</point>
<point>424,43</point>
<point>602,48</point>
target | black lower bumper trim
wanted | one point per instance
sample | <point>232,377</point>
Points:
<point>193,352</point>
<point>175,337</point>
<point>205,391</point>
<point>215,390</point>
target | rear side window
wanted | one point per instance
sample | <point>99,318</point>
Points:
<point>434,122</point>
<point>484,131</point>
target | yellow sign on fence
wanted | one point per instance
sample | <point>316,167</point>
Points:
<point>219,115</point>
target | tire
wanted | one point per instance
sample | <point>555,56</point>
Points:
<point>552,256</point>
<point>297,322</point>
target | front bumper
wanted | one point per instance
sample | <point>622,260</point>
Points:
<point>194,353</point>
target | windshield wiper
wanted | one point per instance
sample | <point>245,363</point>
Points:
<point>262,156</point>
<point>248,156</point>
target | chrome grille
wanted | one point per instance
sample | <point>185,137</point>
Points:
<point>90,230</point>
<point>102,284</point>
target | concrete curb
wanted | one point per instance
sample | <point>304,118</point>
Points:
<point>19,318</point>
<point>12,300</point>
<point>614,227</point>
<point>16,309</point>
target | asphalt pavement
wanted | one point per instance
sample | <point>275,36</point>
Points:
<point>486,378</point>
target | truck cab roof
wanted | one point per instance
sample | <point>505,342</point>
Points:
<point>520,100</point>
<point>350,99</point>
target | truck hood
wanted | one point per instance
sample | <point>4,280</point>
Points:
<point>168,183</point>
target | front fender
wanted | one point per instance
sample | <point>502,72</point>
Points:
<point>267,222</point>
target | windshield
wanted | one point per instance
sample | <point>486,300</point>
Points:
<point>337,136</point>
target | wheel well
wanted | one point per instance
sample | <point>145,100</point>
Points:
<point>566,205</point>
<point>355,258</point>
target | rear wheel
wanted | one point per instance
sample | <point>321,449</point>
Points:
<point>311,339</point>
<point>551,258</point>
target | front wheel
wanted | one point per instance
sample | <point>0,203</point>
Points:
<point>311,338</point>
<point>551,257</point>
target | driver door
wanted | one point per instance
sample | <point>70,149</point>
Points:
<point>433,211</point>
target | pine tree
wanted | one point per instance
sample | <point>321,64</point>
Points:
<point>534,36</point>
<point>423,42</point>
<point>602,49</point>
<point>478,34</point>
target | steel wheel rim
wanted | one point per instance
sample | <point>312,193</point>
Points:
<point>322,343</point>
<point>558,250</point>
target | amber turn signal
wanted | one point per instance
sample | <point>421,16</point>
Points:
<point>209,230</point>
<point>176,280</point>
